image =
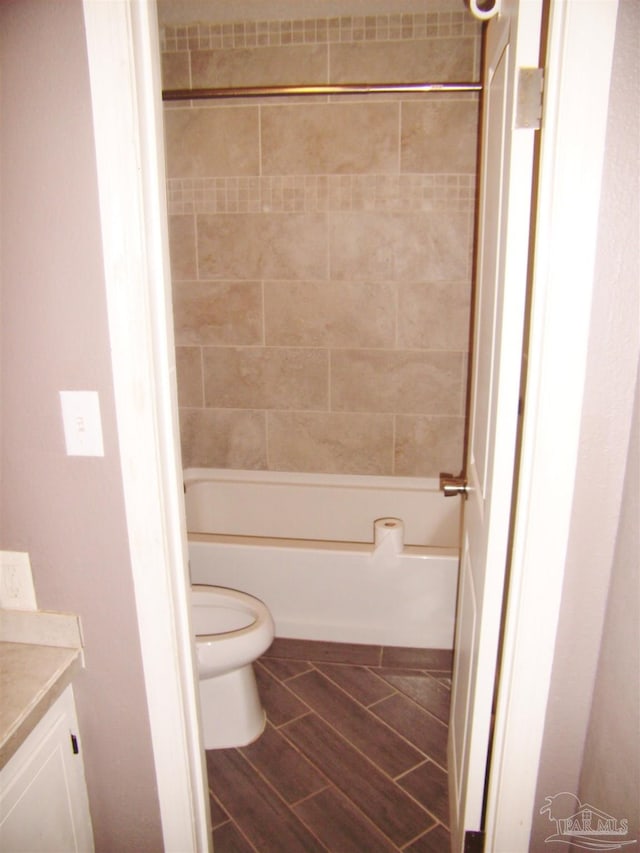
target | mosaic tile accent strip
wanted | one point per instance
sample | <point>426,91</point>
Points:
<point>391,27</point>
<point>322,193</point>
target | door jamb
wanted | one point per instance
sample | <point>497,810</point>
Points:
<point>577,81</point>
<point>124,58</point>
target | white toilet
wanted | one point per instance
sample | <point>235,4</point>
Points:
<point>232,629</point>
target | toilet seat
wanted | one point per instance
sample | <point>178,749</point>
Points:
<point>243,628</point>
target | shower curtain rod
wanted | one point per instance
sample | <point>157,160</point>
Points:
<point>320,89</point>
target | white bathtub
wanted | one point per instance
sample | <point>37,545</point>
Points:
<point>304,544</point>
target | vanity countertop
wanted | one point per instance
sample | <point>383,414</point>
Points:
<point>32,676</point>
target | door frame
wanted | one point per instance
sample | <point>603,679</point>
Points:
<point>578,66</point>
<point>124,70</point>
<point>123,35</point>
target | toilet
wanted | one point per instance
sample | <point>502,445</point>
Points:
<point>232,630</point>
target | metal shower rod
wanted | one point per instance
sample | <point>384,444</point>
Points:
<point>319,89</point>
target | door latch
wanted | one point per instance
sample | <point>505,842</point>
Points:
<point>450,485</point>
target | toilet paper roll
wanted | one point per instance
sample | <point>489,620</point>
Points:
<point>388,535</point>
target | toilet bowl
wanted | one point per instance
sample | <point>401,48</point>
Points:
<point>232,629</point>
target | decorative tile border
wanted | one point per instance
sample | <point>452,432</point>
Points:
<point>392,27</point>
<point>318,193</point>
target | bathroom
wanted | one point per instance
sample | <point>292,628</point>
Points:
<point>90,524</point>
<point>321,299</point>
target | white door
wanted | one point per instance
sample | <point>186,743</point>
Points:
<point>512,43</point>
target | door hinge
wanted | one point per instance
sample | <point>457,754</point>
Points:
<point>473,841</point>
<point>529,98</point>
<point>74,744</point>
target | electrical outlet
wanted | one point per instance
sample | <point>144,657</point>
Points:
<point>16,581</point>
<point>82,424</point>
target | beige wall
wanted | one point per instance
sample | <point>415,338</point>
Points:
<point>593,695</point>
<point>321,250</point>
<point>68,513</point>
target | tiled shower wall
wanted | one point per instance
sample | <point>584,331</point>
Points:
<point>321,248</point>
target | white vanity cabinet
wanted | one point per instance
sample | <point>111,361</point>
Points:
<point>43,797</point>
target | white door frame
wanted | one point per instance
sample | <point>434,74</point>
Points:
<point>125,83</point>
<point>124,59</point>
<point>578,74</point>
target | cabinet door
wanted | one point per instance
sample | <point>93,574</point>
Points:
<point>43,798</point>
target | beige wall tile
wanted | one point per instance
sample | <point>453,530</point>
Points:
<point>268,66</point>
<point>439,136</point>
<point>330,443</point>
<point>402,382</point>
<point>223,439</point>
<point>399,246</point>
<point>218,312</point>
<point>175,70</point>
<point>259,246</point>
<point>433,315</point>
<point>265,378</point>
<point>189,376</point>
<point>329,314</point>
<point>377,273</point>
<point>446,17</point>
<point>204,142</point>
<point>328,138</point>
<point>182,246</point>
<point>426,446</point>
<point>437,60</point>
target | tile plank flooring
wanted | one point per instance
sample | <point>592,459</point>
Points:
<point>353,757</point>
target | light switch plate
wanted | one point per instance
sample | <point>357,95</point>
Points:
<point>82,424</point>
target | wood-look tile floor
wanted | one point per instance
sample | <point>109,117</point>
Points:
<point>353,757</point>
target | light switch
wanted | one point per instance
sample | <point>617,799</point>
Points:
<point>82,424</point>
